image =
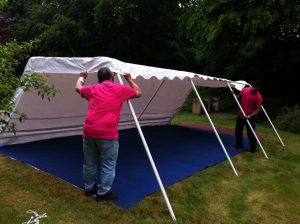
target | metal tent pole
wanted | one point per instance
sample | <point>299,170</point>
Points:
<point>272,125</point>
<point>149,156</point>
<point>262,148</point>
<point>213,126</point>
<point>155,92</point>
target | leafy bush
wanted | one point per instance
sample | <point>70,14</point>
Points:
<point>289,119</point>
<point>11,56</point>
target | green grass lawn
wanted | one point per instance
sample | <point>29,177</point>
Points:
<point>266,190</point>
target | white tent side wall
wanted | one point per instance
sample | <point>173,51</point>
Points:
<point>64,114</point>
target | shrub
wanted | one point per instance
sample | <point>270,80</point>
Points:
<point>289,119</point>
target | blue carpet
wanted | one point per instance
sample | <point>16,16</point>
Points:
<point>178,152</point>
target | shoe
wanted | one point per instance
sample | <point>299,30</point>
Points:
<point>91,192</point>
<point>109,196</point>
<point>236,147</point>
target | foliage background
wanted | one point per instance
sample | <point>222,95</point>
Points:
<point>239,40</point>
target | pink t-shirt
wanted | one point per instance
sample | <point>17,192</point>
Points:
<point>250,101</point>
<point>104,108</point>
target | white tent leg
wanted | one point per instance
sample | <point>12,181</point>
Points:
<point>213,126</point>
<point>155,92</point>
<point>272,125</point>
<point>262,148</point>
<point>150,157</point>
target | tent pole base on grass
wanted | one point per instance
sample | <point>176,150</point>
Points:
<point>236,100</point>
<point>213,126</point>
<point>149,156</point>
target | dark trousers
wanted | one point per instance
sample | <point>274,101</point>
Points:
<point>239,127</point>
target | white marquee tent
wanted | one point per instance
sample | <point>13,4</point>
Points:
<point>164,92</point>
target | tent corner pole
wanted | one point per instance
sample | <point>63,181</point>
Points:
<point>213,126</point>
<point>236,100</point>
<point>149,155</point>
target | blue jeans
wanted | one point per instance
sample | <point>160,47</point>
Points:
<point>102,154</point>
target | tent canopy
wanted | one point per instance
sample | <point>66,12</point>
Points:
<point>164,92</point>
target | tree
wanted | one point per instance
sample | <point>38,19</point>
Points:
<point>61,26</point>
<point>139,31</point>
<point>4,23</point>
<point>4,30</point>
<point>11,55</point>
<point>145,32</point>
<point>247,39</point>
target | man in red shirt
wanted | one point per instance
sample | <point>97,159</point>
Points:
<point>100,131</point>
<point>251,101</point>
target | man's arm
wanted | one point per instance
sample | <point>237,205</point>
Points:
<point>80,81</point>
<point>254,112</point>
<point>133,84</point>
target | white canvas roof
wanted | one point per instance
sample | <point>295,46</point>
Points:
<point>164,92</point>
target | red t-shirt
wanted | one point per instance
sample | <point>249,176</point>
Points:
<point>250,101</point>
<point>104,108</point>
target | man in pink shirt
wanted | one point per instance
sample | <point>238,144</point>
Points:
<point>251,101</point>
<point>100,131</point>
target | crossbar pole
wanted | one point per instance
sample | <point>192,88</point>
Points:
<point>150,100</point>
